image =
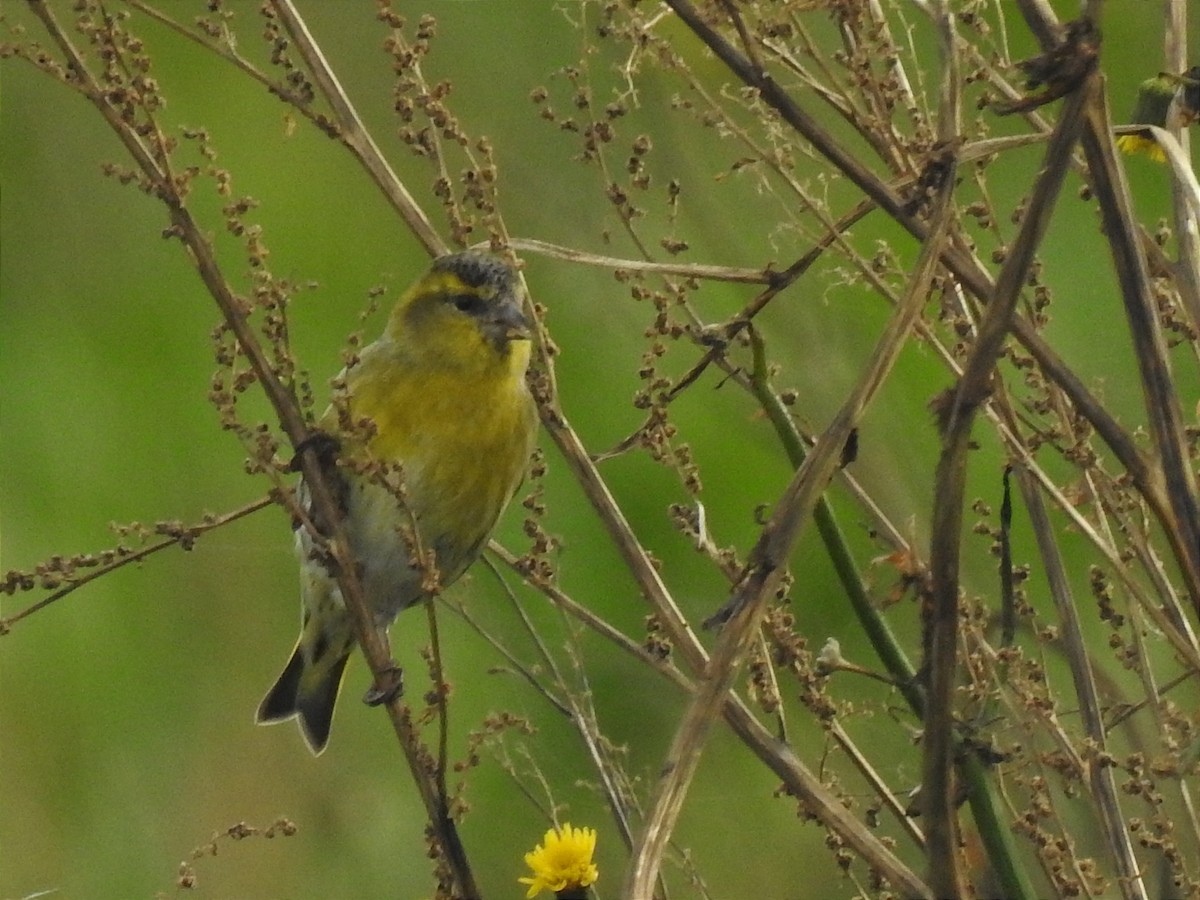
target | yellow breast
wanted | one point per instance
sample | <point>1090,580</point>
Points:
<point>463,436</point>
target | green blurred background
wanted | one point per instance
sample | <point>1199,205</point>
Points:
<point>126,734</point>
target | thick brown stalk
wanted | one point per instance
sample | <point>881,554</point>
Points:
<point>937,787</point>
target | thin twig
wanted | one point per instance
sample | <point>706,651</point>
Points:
<point>185,535</point>
<point>1183,184</point>
<point>1102,778</point>
<point>681,270</point>
<point>355,135</point>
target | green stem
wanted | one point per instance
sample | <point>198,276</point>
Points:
<point>994,829</point>
<point>995,833</point>
<point>878,631</point>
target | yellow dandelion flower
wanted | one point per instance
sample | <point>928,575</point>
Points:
<point>562,862</point>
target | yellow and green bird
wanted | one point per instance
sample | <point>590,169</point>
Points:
<point>444,390</point>
<point>1154,105</point>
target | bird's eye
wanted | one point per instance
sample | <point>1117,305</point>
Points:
<point>468,303</point>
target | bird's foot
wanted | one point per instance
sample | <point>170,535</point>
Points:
<point>389,685</point>
<point>324,444</point>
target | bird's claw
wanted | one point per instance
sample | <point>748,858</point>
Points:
<point>389,685</point>
<point>324,444</point>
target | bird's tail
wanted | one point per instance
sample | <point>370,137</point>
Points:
<point>308,689</point>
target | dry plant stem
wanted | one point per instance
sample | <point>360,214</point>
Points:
<point>588,618</point>
<point>667,670</point>
<point>620,801</point>
<point>642,568</point>
<point>1042,21</point>
<point>574,703</point>
<point>888,797</point>
<point>1187,221</point>
<point>347,128</point>
<point>1153,602</point>
<point>1183,182</point>
<point>354,135</point>
<point>324,505</point>
<point>442,691</point>
<point>824,806</point>
<point>966,268</point>
<point>685,270</point>
<point>1102,777</point>
<point>188,533</point>
<point>775,286</point>
<point>1158,387</point>
<point>231,56</point>
<point>946,525</point>
<point>776,755</point>
<point>516,665</point>
<point>768,562</point>
<point>1170,487</point>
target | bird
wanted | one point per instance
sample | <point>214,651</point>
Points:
<point>443,398</point>
<point>1153,106</point>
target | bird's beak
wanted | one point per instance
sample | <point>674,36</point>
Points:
<point>508,323</point>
